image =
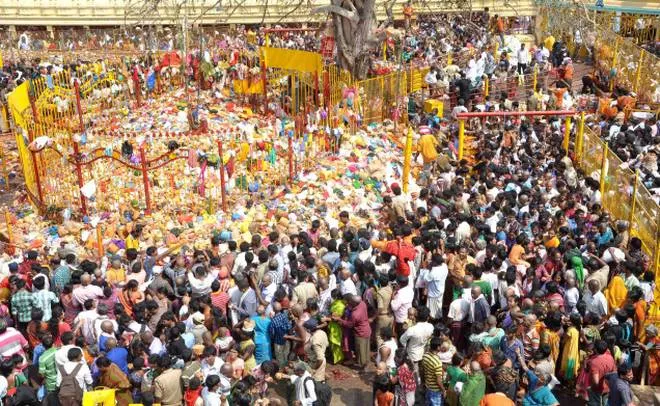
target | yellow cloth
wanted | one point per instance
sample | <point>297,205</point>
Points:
<point>615,294</point>
<point>427,145</point>
<point>132,242</point>
<point>244,152</point>
<point>549,42</point>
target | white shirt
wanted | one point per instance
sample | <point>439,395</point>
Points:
<point>84,375</point>
<point>212,369</point>
<point>571,298</point>
<point>415,339</point>
<point>436,280</point>
<point>523,57</point>
<point>391,344</point>
<point>304,387</point>
<point>596,304</point>
<point>462,232</point>
<point>62,353</point>
<point>156,346</point>
<point>459,309</point>
<point>211,398</point>
<point>401,302</point>
<point>347,287</point>
<point>86,321</point>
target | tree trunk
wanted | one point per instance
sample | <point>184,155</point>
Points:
<point>354,24</point>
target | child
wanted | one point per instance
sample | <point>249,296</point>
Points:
<point>384,396</point>
<point>193,397</point>
<point>405,381</point>
<point>381,370</point>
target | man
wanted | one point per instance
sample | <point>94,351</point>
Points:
<point>62,274</point>
<point>531,338</point>
<point>402,301</point>
<point>86,291</point>
<point>43,298</point>
<point>416,337</point>
<point>198,328</point>
<point>47,364</point>
<point>84,321</point>
<point>595,300</point>
<point>400,202</point>
<point>305,289</point>
<point>599,367</point>
<point>167,385</point>
<point>460,108</point>
<point>12,342</point>
<point>226,379</point>
<point>62,354</point>
<point>279,327</point>
<point>111,325</point>
<point>346,283</point>
<point>459,311</point>
<point>383,300</point>
<point>435,285</point>
<point>315,349</point>
<point>432,373</point>
<point>76,367</point>
<point>359,322</point>
<point>243,301</point>
<point>479,307</point>
<point>619,383</point>
<point>523,59</point>
<point>211,363</point>
<point>112,377</point>
<point>118,355</point>
<point>159,282</point>
<point>304,388</point>
<point>22,303</point>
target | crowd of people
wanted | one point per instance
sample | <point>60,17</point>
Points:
<point>492,284</point>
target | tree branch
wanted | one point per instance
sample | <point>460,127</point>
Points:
<point>331,8</point>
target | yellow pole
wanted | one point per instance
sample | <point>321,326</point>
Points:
<point>536,78</point>
<point>579,142</point>
<point>407,157</point>
<point>615,57</point>
<point>385,48</point>
<point>567,133</point>
<point>639,71</point>
<point>450,58</point>
<point>99,239</point>
<point>631,216</point>
<point>603,175</point>
<point>486,86</point>
<point>9,230</point>
<point>461,137</point>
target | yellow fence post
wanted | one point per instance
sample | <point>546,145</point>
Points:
<point>615,57</point>
<point>536,78</point>
<point>567,133</point>
<point>450,58</point>
<point>631,216</point>
<point>579,142</point>
<point>9,230</point>
<point>639,71</point>
<point>407,157</point>
<point>486,86</point>
<point>461,137</point>
<point>603,175</point>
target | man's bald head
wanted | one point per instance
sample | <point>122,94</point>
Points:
<point>476,292</point>
<point>85,279</point>
<point>227,370</point>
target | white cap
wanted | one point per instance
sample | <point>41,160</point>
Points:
<point>157,269</point>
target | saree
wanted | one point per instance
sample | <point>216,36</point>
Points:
<point>616,294</point>
<point>335,337</point>
<point>473,390</point>
<point>262,345</point>
<point>576,264</point>
<point>570,356</point>
<point>114,378</point>
<point>551,338</point>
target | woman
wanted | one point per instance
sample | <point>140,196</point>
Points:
<point>246,346</point>
<point>130,295</point>
<point>262,344</point>
<point>570,354</point>
<point>578,268</point>
<point>652,348</point>
<point>57,326</point>
<point>112,377</point>
<point>616,294</point>
<point>404,379</point>
<point>70,309</point>
<point>337,308</point>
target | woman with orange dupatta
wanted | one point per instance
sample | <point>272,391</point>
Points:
<point>130,295</point>
<point>636,297</point>
<point>616,294</point>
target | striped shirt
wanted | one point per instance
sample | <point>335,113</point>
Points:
<point>43,300</point>
<point>12,342</point>
<point>48,368</point>
<point>432,367</point>
<point>21,305</point>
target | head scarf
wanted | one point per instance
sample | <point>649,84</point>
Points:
<point>616,293</point>
<point>576,264</point>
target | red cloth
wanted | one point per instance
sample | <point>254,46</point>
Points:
<point>602,364</point>
<point>358,321</point>
<point>404,252</point>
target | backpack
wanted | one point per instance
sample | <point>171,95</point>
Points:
<point>69,387</point>
<point>323,392</point>
<point>24,396</point>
